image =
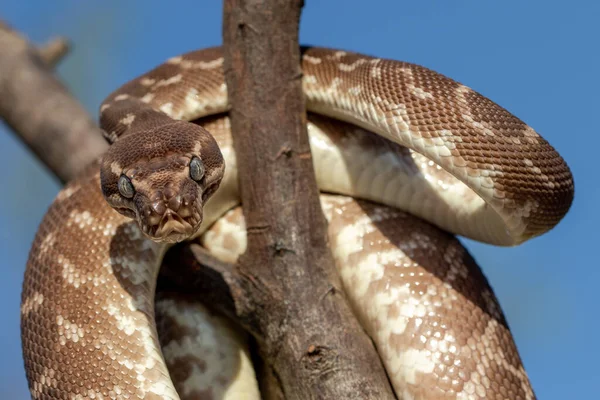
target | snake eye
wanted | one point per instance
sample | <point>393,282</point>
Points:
<point>126,187</point>
<point>196,169</point>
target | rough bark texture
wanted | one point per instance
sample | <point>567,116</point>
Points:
<point>292,299</point>
<point>40,109</point>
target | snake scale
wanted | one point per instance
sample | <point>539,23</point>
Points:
<point>385,131</point>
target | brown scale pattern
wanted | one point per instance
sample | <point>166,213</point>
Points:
<point>487,139</point>
<point>460,348</point>
<point>507,163</point>
<point>453,327</point>
<point>206,353</point>
<point>87,315</point>
<point>86,308</point>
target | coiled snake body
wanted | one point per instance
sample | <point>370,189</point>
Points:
<point>444,153</point>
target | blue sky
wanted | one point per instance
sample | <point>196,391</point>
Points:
<point>539,59</point>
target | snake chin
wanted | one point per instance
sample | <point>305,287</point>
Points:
<point>172,227</point>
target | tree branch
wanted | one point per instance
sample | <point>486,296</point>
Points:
<point>39,108</point>
<point>54,51</point>
<point>291,297</point>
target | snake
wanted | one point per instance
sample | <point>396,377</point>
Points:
<point>409,157</point>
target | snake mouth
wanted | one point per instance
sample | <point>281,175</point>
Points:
<point>173,230</point>
<point>172,227</point>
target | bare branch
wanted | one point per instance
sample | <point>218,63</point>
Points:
<point>41,111</point>
<point>292,301</point>
<point>54,51</point>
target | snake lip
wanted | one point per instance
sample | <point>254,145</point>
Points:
<point>126,211</point>
<point>173,228</point>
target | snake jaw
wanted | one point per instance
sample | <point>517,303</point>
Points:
<point>173,229</point>
<point>170,215</point>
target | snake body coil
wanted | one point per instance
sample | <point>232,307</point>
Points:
<point>444,153</point>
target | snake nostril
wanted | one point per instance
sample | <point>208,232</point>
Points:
<point>159,207</point>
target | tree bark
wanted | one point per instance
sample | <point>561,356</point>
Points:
<point>292,300</point>
<point>39,108</point>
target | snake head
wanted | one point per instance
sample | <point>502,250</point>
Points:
<point>161,177</point>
